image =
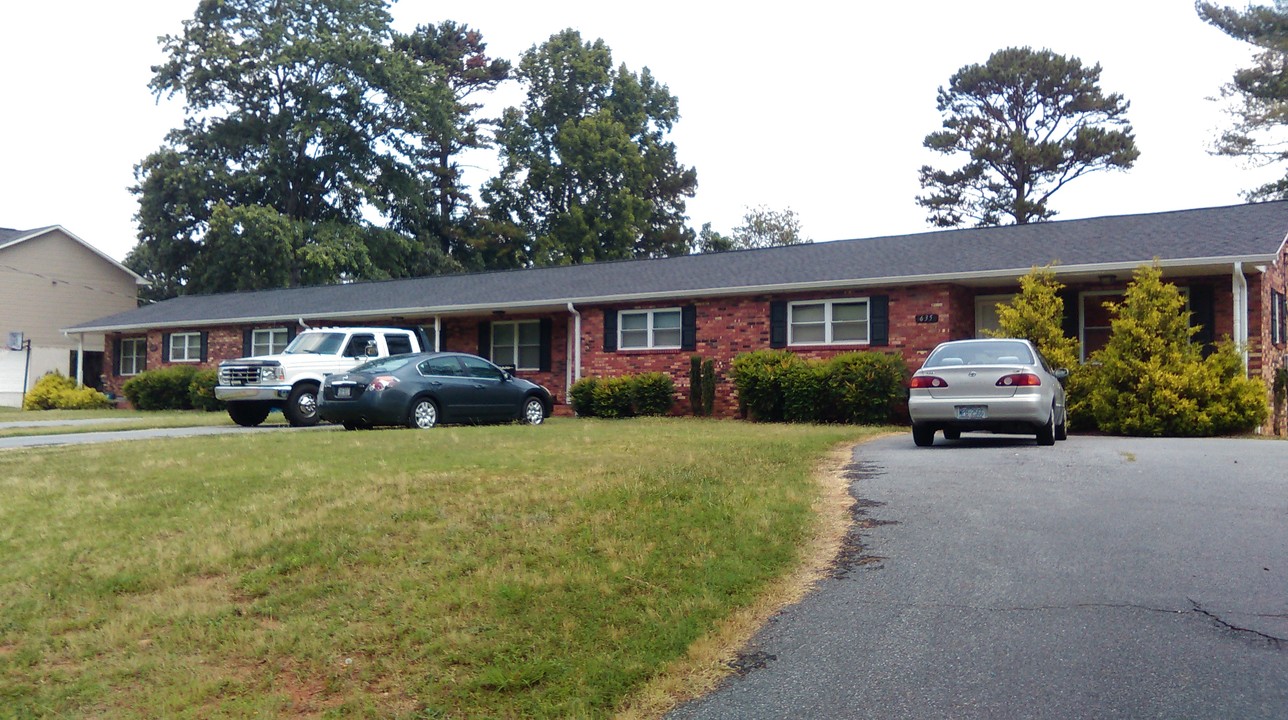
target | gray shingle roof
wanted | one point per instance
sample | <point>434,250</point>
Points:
<point>1196,238</point>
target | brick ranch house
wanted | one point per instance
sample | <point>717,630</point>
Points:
<point>899,294</point>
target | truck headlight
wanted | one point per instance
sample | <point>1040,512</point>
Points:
<point>271,374</point>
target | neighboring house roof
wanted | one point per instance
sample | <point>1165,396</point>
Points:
<point>10,237</point>
<point>1189,239</point>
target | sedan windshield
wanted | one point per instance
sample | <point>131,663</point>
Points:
<point>317,343</point>
<point>987,352</point>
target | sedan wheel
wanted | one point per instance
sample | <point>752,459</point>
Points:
<point>423,415</point>
<point>1046,433</point>
<point>534,412</point>
<point>923,436</point>
<point>1062,430</point>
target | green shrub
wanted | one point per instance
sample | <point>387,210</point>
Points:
<point>1151,379</point>
<point>758,378</point>
<point>652,393</point>
<point>866,388</point>
<point>623,396</point>
<point>201,391</point>
<point>163,389</point>
<point>695,384</point>
<point>804,388</point>
<point>708,386</point>
<point>856,387</point>
<point>614,397</point>
<point>55,391</point>
<point>582,396</point>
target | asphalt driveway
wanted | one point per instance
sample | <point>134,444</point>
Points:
<point>991,578</point>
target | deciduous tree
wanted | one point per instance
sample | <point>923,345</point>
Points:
<point>1258,94</point>
<point>300,106</point>
<point>761,227</point>
<point>1027,122</point>
<point>588,173</point>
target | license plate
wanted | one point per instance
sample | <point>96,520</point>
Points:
<point>343,391</point>
<point>972,412</point>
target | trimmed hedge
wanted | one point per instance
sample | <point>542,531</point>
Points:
<point>55,391</point>
<point>201,391</point>
<point>178,387</point>
<point>857,387</point>
<point>624,396</point>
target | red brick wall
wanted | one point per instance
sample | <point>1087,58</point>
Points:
<point>729,326</point>
<point>1272,356</point>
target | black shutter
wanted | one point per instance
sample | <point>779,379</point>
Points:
<point>485,340</point>
<point>290,334</point>
<point>248,342</point>
<point>204,345</point>
<point>610,330</point>
<point>546,326</point>
<point>165,347</point>
<point>879,319</point>
<point>778,324</point>
<point>1069,320</point>
<point>144,365</point>
<point>689,327</point>
<point>1203,315</point>
<point>116,357</point>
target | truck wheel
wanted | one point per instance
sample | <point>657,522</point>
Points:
<point>302,406</point>
<point>248,414</point>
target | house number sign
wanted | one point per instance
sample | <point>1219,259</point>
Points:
<point>928,318</point>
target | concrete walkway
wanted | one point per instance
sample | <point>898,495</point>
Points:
<point>82,438</point>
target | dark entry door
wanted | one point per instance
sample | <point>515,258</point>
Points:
<point>93,369</point>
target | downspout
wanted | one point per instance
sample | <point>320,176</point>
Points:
<point>574,368</point>
<point>1240,290</point>
<point>80,360</point>
<point>438,333</point>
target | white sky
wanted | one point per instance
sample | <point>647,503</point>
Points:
<point>816,106</point>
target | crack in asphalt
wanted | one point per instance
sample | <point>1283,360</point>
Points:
<point>1195,609</point>
<point>1275,642</point>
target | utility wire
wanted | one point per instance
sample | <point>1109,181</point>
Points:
<point>70,284</point>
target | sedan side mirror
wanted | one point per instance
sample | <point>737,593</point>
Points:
<point>1060,373</point>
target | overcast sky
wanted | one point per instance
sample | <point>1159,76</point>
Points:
<point>816,106</point>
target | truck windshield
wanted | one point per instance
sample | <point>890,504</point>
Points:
<point>316,343</point>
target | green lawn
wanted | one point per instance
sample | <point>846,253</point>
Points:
<point>505,571</point>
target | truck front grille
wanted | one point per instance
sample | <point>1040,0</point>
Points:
<point>239,375</point>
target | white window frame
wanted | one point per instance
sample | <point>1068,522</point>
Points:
<point>1278,306</point>
<point>827,321</point>
<point>139,356</point>
<point>513,350</point>
<point>190,353</point>
<point>652,314</point>
<point>270,347</point>
<point>986,307</point>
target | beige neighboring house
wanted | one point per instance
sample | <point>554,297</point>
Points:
<point>50,279</point>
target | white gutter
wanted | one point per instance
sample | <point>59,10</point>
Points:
<point>1240,291</point>
<point>438,333</point>
<point>574,368</point>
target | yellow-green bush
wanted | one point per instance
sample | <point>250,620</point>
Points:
<point>55,391</point>
<point>1152,379</point>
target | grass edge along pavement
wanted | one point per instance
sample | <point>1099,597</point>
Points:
<point>474,571</point>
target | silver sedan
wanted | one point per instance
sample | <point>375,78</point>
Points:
<point>994,385</point>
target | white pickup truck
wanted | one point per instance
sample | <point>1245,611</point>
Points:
<point>254,386</point>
